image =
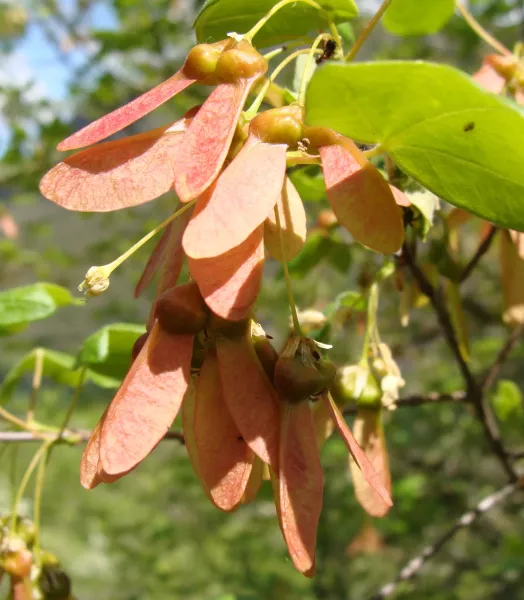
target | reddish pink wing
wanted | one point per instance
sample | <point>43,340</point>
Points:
<point>147,402</point>
<point>208,138</point>
<point>125,115</point>
<point>301,483</point>
<point>361,198</point>
<point>230,283</point>
<point>368,471</point>
<point>489,79</point>
<point>250,397</point>
<point>89,464</point>
<point>244,195</point>
<point>117,174</point>
<point>224,458</point>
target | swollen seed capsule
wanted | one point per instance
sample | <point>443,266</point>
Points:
<point>201,62</point>
<point>279,126</point>
<point>182,310</point>
<point>241,62</point>
<point>230,329</point>
<point>295,381</point>
<point>267,356</point>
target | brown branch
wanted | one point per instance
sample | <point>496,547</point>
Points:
<point>466,520</point>
<point>482,249</point>
<point>507,349</point>
<point>473,389</point>
<point>70,437</point>
<point>419,400</point>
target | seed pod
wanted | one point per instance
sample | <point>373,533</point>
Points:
<point>181,310</point>
<point>279,125</point>
<point>230,329</point>
<point>201,62</point>
<point>241,62</point>
<point>267,355</point>
<point>54,583</point>
<point>296,381</point>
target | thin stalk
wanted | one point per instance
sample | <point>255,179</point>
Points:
<point>480,31</point>
<point>37,503</point>
<point>252,111</point>
<point>367,30</point>
<point>292,306</point>
<point>97,278</point>
<point>18,422</point>
<point>309,63</point>
<point>37,381</point>
<point>25,480</point>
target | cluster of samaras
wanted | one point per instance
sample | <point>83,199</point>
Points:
<point>246,409</point>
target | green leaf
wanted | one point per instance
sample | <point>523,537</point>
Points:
<point>22,305</point>
<point>317,246</point>
<point>309,182</point>
<point>507,399</point>
<point>217,18</point>
<point>108,350</point>
<point>413,17</point>
<point>460,142</point>
<point>59,366</point>
<point>426,203</point>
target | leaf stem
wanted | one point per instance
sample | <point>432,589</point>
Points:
<point>25,480</point>
<point>37,381</point>
<point>307,68</point>
<point>279,5</point>
<point>18,422</point>
<point>367,30</point>
<point>292,306</point>
<point>252,111</point>
<point>480,31</point>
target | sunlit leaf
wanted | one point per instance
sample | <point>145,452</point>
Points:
<point>460,142</point>
<point>413,17</point>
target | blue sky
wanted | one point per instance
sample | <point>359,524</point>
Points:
<point>35,64</point>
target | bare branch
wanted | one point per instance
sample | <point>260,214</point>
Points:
<point>507,349</point>
<point>419,400</point>
<point>484,246</point>
<point>71,437</point>
<point>466,520</point>
<point>473,389</point>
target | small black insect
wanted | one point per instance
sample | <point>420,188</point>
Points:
<point>329,49</point>
<point>469,126</point>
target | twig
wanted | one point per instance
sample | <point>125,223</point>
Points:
<point>70,437</point>
<point>466,520</point>
<point>473,389</point>
<point>482,249</point>
<point>419,400</point>
<point>507,349</point>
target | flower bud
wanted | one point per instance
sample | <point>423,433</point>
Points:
<point>279,125</point>
<point>182,310</point>
<point>241,62</point>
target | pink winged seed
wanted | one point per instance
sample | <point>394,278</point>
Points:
<point>230,283</point>
<point>370,475</point>
<point>125,115</point>
<point>208,138</point>
<point>250,397</point>
<point>117,174</point>
<point>147,402</point>
<point>244,195</point>
<point>301,484</point>
<point>224,459</point>
<point>361,198</point>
